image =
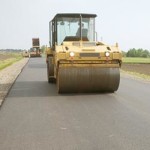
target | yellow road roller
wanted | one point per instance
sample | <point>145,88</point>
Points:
<point>76,61</point>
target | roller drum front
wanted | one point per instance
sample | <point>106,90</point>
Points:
<point>87,79</point>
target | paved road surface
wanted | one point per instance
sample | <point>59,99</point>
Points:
<point>35,117</point>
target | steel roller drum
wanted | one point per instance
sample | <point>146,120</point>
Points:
<point>87,79</point>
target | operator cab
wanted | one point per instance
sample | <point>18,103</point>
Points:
<point>72,27</point>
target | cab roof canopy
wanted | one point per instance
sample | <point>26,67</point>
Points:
<point>75,15</point>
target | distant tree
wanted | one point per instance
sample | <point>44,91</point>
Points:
<point>131,53</point>
<point>145,53</point>
<point>138,53</point>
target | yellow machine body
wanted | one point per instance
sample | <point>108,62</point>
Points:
<point>25,53</point>
<point>79,64</point>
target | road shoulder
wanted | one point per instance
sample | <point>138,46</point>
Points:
<point>8,77</point>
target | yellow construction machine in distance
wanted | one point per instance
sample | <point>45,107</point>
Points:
<point>35,50</point>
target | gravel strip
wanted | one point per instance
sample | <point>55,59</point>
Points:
<point>8,77</point>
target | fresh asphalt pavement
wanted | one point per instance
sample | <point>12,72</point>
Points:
<point>35,117</point>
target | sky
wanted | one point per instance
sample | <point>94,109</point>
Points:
<point>124,21</point>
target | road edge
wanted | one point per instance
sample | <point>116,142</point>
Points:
<point>20,66</point>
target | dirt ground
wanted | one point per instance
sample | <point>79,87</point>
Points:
<point>139,68</point>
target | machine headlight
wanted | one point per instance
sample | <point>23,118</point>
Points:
<point>107,54</point>
<point>72,54</point>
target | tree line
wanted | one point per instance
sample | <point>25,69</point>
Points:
<point>137,53</point>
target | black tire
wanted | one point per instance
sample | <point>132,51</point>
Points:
<point>50,70</point>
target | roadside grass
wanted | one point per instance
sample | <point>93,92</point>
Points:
<point>12,58</point>
<point>136,60</point>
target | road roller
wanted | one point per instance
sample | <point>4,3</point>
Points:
<point>76,61</point>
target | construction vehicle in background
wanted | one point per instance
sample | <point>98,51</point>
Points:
<point>76,60</point>
<point>25,53</point>
<point>35,50</point>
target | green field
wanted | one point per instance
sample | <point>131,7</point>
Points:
<point>7,59</point>
<point>136,60</point>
